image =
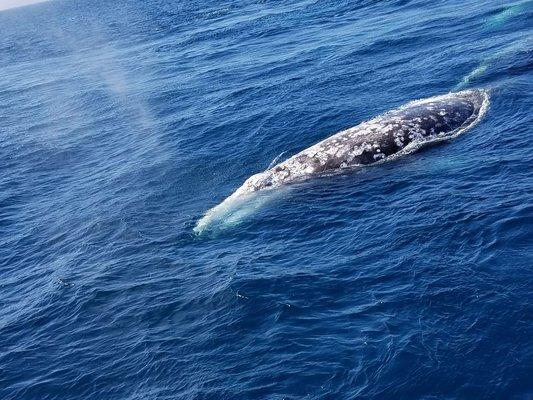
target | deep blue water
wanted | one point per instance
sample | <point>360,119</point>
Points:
<point>123,122</point>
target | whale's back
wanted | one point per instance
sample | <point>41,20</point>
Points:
<point>435,118</point>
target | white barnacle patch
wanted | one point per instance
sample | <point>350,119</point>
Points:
<point>416,134</point>
<point>321,159</point>
<point>363,131</point>
<point>357,151</point>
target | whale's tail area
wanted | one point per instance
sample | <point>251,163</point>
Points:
<point>220,215</point>
<point>233,211</point>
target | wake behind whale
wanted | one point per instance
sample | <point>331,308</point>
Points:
<point>385,137</point>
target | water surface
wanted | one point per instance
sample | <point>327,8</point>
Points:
<point>123,122</point>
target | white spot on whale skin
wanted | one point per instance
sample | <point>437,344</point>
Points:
<point>357,151</point>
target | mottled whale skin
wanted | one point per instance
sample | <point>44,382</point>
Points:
<point>378,139</point>
<point>400,131</point>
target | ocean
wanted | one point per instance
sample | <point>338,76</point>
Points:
<point>123,122</point>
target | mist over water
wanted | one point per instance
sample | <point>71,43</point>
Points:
<point>123,122</point>
<point>8,4</point>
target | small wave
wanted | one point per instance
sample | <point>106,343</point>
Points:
<point>276,159</point>
<point>478,71</point>
<point>507,13</point>
<point>518,53</point>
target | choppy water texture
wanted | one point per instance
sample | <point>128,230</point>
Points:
<point>122,123</point>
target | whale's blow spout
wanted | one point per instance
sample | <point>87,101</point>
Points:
<point>388,136</point>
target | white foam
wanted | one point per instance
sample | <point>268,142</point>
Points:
<point>506,14</point>
<point>473,74</point>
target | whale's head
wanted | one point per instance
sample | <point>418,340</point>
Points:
<point>443,116</point>
<point>474,98</point>
<point>464,109</point>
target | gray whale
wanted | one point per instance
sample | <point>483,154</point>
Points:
<point>397,132</point>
